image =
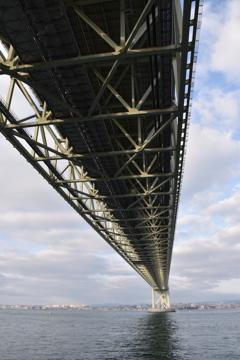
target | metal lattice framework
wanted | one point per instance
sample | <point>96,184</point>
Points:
<point>109,87</point>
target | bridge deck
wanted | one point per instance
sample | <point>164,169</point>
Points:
<point>113,79</point>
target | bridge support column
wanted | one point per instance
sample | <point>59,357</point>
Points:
<point>153,299</point>
<point>163,302</point>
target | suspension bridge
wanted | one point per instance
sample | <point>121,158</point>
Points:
<point>108,89</point>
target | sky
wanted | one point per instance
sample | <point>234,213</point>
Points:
<point>49,255</point>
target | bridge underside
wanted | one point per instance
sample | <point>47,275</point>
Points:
<point>108,88</point>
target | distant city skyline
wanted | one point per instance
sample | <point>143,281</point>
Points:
<point>50,255</point>
<point>123,307</point>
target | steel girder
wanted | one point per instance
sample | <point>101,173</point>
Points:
<point>116,157</point>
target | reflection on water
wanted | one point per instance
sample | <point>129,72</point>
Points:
<point>156,337</point>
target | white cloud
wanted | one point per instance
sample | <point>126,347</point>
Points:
<point>219,43</point>
<point>22,188</point>
<point>226,50</point>
<point>35,219</point>
<point>217,107</point>
<point>230,237</point>
<point>212,161</point>
<point>208,256</point>
<point>206,261</point>
<point>226,286</point>
<point>67,275</point>
<point>228,209</point>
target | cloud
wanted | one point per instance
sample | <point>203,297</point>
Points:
<point>226,50</point>
<point>206,251</point>
<point>206,261</point>
<point>219,45</point>
<point>229,237</point>
<point>22,188</point>
<point>191,225</point>
<point>67,275</point>
<point>212,161</point>
<point>214,106</point>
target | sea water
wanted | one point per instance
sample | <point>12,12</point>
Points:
<point>110,335</point>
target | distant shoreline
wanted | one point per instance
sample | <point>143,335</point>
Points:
<point>144,307</point>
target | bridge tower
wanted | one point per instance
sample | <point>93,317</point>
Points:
<point>163,302</point>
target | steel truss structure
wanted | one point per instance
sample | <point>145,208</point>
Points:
<point>109,87</point>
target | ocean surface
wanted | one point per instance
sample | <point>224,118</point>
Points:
<point>95,335</point>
